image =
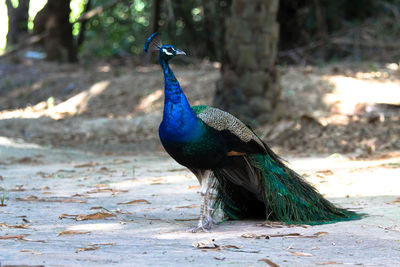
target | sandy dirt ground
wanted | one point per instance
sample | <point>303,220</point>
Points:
<point>67,207</point>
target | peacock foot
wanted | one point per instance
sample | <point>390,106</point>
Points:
<point>203,226</point>
<point>198,229</point>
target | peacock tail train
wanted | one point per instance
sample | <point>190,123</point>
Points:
<point>282,194</point>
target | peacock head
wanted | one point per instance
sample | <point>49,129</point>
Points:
<point>166,52</point>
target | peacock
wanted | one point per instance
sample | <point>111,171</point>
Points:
<point>228,158</point>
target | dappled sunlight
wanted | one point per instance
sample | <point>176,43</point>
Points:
<point>95,227</point>
<point>349,92</point>
<point>73,106</point>
<point>392,66</point>
<point>79,103</point>
<point>104,68</point>
<point>339,176</point>
<point>148,102</point>
<point>12,143</point>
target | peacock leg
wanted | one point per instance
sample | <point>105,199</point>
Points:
<point>205,220</point>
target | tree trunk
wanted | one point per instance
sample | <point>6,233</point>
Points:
<point>54,19</point>
<point>249,88</point>
<point>214,14</point>
<point>17,21</point>
<point>155,16</point>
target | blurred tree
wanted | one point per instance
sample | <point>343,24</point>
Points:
<point>215,13</point>
<point>305,23</point>
<point>249,88</point>
<point>155,16</point>
<point>54,20</point>
<point>17,21</point>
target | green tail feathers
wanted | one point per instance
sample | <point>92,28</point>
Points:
<point>275,193</point>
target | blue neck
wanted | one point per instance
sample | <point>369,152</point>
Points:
<point>179,120</point>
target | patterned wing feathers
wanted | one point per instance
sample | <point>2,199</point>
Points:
<point>221,120</point>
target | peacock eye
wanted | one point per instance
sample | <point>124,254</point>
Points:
<point>169,49</point>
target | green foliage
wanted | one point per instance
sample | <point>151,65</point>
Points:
<point>3,197</point>
<point>119,30</point>
<point>124,28</point>
<point>77,7</point>
<point>14,3</point>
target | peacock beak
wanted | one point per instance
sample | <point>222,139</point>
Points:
<point>180,52</point>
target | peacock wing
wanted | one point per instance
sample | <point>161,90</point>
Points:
<point>241,138</point>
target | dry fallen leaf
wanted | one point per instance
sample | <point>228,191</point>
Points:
<point>85,165</point>
<point>30,198</point>
<point>255,236</point>
<point>66,200</point>
<point>220,259</point>
<point>193,186</point>
<point>206,245</point>
<point>93,216</point>
<point>63,200</point>
<point>269,262</point>
<point>290,235</point>
<point>19,226</point>
<point>67,216</point>
<point>27,160</point>
<point>301,254</point>
<point>395,201</point>
<point>101,244</point>
<point>325,172</point>
<point>287,235</point>
<point>105,169</point>
<point>72,232</point>
<point>44,174</point>
<point>186,220</point>
<point>231,246</point>
<point>322,177</point>
<point>135,201</point>
<point>188,206</point>
<point>176,170</point>
<point>17,237</point>
<point>112,190</point>
<point>317,234</point>
<point>18,188</point>
<point>210,245</point>
<point>86,249</point>
<point>98,208</point>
